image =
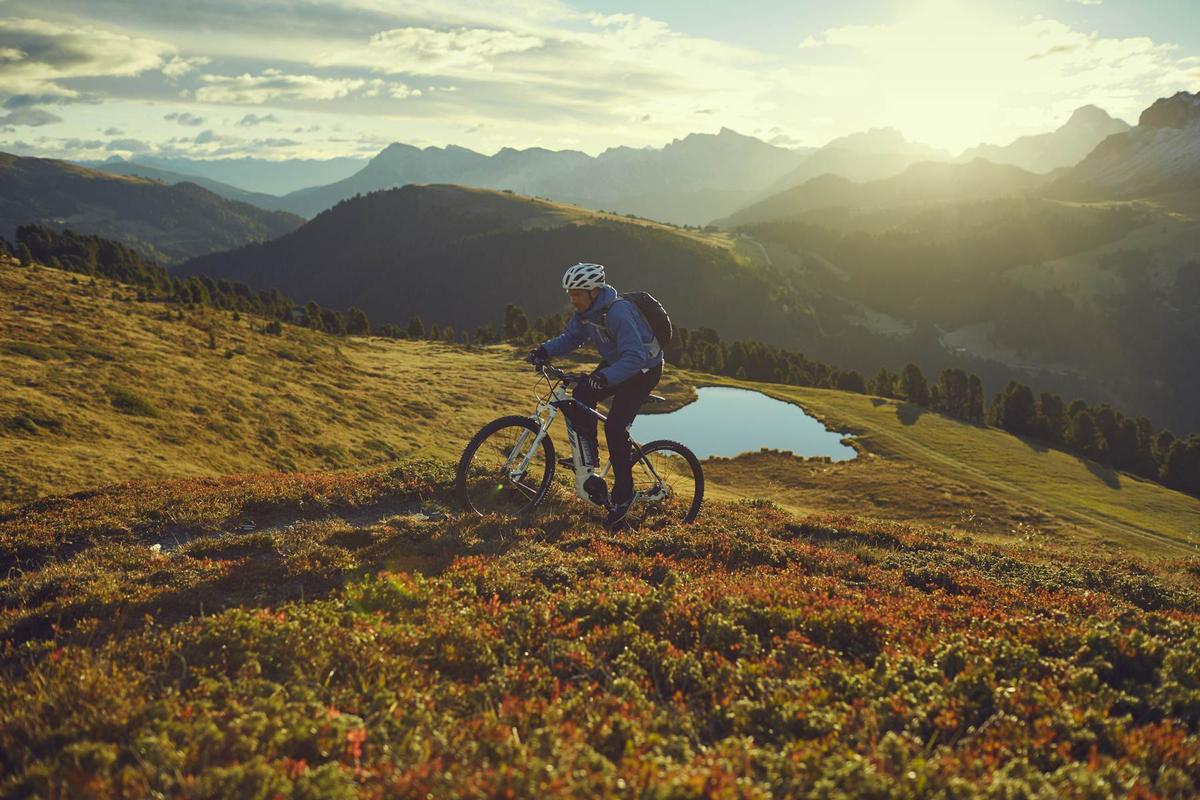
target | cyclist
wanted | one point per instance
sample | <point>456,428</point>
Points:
<point>631,366</point>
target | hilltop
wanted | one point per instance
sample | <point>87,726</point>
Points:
<point>919,184</point>
<point>168,223</point>
<point>457,256</point>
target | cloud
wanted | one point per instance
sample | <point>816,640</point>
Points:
<point>273,86</point>
<point>398,91</point>
<point>128,146</point>
<point>425,51</point>
<point>113,132</point>
<point>177,67</point>
<point>38,54</point>
<point>783,140</point>
<point>184,118</point>
<point>251,120</point>
<point>274,143</point>
<point>81,144</point>
<point>51,98</point>
<point>208,137</point>
<point>32,117</point>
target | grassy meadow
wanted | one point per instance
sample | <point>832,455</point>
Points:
<point>102,388</point>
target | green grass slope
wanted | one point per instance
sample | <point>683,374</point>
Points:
<point>103,389</point>
<point>332,636</point>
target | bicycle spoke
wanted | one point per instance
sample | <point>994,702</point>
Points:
<point>487,481</point>
<point>667,485</point>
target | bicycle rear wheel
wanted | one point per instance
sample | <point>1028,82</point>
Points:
<point>668,484</point>
<point>501,472</point>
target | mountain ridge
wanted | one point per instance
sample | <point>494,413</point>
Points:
<point>168,223</point>
<point>1065,146</point>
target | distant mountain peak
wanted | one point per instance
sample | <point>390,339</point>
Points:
<point>880,140</point>
<point>1089,115</point>
<point>1177,111</point>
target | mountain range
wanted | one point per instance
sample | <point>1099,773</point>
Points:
<point>689,181</point>
<point>693,180</point>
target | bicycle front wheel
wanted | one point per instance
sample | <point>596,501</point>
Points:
<point>668,484</point>
<point>502,472</point>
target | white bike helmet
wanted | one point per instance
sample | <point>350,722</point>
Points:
<point>584,276</point>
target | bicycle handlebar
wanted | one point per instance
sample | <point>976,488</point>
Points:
<point>549,370</point>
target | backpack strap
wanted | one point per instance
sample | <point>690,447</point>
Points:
<point>653,339</point>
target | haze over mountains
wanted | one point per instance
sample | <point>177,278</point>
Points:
<point>924,182</point>
<point>256,175</point>
<point>1063,147</point>
<point>693,180</point>
<point>167,223</point>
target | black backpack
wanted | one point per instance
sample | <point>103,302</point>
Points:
<point>652,311</point>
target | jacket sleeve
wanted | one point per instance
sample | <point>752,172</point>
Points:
<point>631,350</point>
<point>572,338</point>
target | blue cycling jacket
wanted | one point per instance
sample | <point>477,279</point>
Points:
<point>630,348</point>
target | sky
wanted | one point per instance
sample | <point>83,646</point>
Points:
<point>278,79</point>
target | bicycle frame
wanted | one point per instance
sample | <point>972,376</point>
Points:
<point>545,413</point>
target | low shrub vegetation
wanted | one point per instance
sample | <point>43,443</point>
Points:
<point>329,635</point>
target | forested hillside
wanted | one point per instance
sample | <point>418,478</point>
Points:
<point>457,256</point>
<point>167,223</point>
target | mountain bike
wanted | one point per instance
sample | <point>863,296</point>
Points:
<point>508,466</point>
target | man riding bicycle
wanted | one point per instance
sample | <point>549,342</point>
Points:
<point>631,366</point>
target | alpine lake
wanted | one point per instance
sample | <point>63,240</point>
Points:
<point>725,421</point>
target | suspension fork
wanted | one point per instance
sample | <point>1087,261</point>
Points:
<point>544,428</point>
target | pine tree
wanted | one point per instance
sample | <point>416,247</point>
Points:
<point>416,328</point>
<point>884,383</point>
<point>516,323</point>
<point>357,323</point>
<point>912,385</point>
<point>954,391</point>
<point>24,255</point>
<point>975,399</point>
<point>1014,410</point>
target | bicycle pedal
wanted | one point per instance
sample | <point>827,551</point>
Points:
<point>597,490</point>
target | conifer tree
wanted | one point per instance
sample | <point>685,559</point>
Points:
<point>416,327</point>
<point>975,399</point>
<point>912,385</point>
<point>357,323</point>
<point>884,383</point>
<point>516,323</point>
